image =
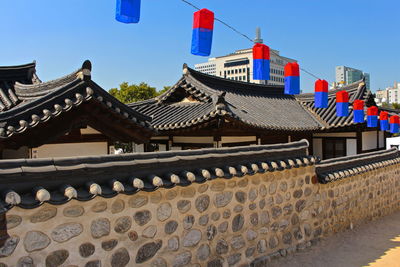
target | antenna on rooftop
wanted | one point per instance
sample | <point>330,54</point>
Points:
<point>258,36</point>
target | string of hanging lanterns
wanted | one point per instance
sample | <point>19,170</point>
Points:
<point>128,11</point>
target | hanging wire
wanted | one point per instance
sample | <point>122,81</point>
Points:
<point>248,38</point>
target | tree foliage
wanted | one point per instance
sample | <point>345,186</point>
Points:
<point>129,93</point>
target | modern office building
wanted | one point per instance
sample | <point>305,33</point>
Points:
<point>390,95</point>
<point>346,75</point>
<point>238,66</point>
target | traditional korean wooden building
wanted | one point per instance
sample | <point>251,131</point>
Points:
<point>207,111</point>
<point>70,116</point>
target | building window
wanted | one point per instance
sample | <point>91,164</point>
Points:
<point>333,148</point>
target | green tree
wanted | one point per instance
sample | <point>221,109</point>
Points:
<point>133,93</point>
<point>396,105</point>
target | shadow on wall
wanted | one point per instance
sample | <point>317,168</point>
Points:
<point>376,243</point>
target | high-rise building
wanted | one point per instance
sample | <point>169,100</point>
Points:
<point>390,95</point>
<point>346,75</point>
<point>238,66</point>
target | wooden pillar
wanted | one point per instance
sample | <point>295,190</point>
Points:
<point>289,139</point>
<point>217,141</point>
<point>359,141</point>
<point>170,142</point>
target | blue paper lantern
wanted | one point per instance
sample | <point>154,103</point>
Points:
<point>128,11</point>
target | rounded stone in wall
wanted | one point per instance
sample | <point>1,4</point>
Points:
<point>238,208</point>
<point>188,222</point>
<point>298,235</point>
<point>287,238</point>
<point>171,194</point>
<point>222,247</point>
<point>133,235</point>
<point>288,209</point>
<point>123,224</point>
<point>275,227</point>
<point>252,206</point>
<point>243,182</point>
<point>283,186</point>
<point>262,203</point>
<point>164,211</point>
<point>218,262</point>
<point>254,219</point>
<point>100,227</point>
<point>150,231</point>
<point>295,219</point>
<point>170,227</point>
<point>120,258</point>
<point>278,199</point>
<point>263,190</point>
<point>262,246</point>
<point>273,242</point>
<point>147,251</point>
<point>211,232</point>
<point>250,251</point>
<point>43,214</point>
<point>66,231</point>
<point>231,184</point>
<point>237,223</point>
<point>188,192</point>
<point>238,242</point>
<point>307,191</point>
<point>117,206</point>
<point>203,252</point>
<point>298,193</point>
<point>251,235</point>
<point>35,240</point>
<point>93,263</point>
<point>223,199</point>
<point>276,212</point>
<point>203,220</point>
<point>253,193</point>
<point>142,217</point>
<point>13,221</point>
<point>223,227</point>
<point>218,186</point>
<point>272,188</point>
<point>138,201</point>
<point>25,261</point>
<point>240,196</point>
<point>183,206</point>
<point>182,259</point>
<point>173,243</point>
<point>9,246</point>
<point>99,206</point>
<point>73,211</point>
<point>300,182</point>
<point>155,197</point>
<point>215,216</point>
<point>226,214</point>
<point>300,205</point>
<point>159,262</point>
<point>202,188</point>
<point>57,258</point>
<point>109,245</point>
<point>191,238</point>
<point>202,203</point>
<point>86,250</point>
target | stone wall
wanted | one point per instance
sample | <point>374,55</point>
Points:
<point>222,222</point>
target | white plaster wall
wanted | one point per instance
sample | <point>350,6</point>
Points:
<point>89,130</point>
<point>194,139</point>
<point>162,147</point>
<point>369,140</point>
<point>392,141</point>
<point>350,134</point>
<point>70,150</point>
<point>138,147</point>
<point>238,139</point>
<point>351,147</point>
<point>317,147</point>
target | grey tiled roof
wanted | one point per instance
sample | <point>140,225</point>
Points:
<point>29,183</point>
<point>258,106</point>
<point>9,75</point>
<point>40,102</point>
<point>327,116</point>
<point>338,168</point>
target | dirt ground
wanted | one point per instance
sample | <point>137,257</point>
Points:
<point>375,244</point>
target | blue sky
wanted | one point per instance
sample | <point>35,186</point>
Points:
<point>321,34</point>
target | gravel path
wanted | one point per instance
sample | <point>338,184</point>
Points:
<point>376,244</point>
